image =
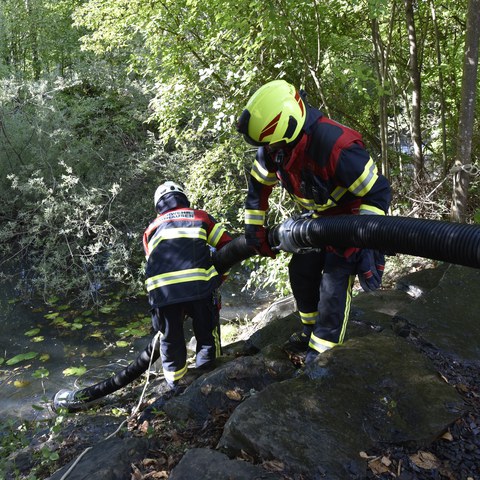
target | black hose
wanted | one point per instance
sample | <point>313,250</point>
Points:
<point>232,253</point>
<point>457,243</point>
<point>75,400</point>
<point>449,242</point>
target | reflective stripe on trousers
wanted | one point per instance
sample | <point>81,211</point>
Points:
<point>323,281</point>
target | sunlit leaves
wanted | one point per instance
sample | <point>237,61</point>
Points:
<point>76,240</point>
<point>74,371</point>
<point>38,338</point>
<point>41,373</point>
<point>21,383</point>
<point>137,328</point>
<point>33,332</point>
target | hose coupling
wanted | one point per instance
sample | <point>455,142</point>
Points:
<point>285,236</point>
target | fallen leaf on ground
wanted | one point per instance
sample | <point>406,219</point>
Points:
<point>386,461</point>
<point>366,456</point>
<point>447,436</point>
<point>234,395</point>
<point>377,466</point>
<point>136,473</point>
<point>425,460</point>
<point>161,474</point>
<point>274,465</point>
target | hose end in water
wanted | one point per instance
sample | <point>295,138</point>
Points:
<point>65,399</point>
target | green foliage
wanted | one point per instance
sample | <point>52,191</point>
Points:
<point>74,371</point>
<point>36,37</point>
<point>67,149</point>
<point>476,216</point>
<point>269,274</point>
<point>149,91</point>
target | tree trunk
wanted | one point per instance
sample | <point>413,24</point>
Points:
<point>383,117</point>
<point>441,84</point>
<point>416,92</point>
<point>382,54</point>
<point>461,178</point>
<point>33,36</point>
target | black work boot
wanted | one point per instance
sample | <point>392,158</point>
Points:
<point>298,341</point>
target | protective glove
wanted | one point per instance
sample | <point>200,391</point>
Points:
<point>370,267</point>
<point>256,236</point>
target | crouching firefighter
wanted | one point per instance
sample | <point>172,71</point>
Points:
<point>326,169</point>
<point>181,280</point>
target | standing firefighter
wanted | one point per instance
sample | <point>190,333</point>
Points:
<point>325,168</point>
<point>181,279</point>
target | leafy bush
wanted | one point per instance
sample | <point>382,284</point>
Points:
<point>69,151</point>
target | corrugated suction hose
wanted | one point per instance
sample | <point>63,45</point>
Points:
<point>457,243</point>
<point>449,242</point>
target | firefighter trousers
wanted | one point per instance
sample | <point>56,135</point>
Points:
<point>322,286</point>
<point>206,328</point>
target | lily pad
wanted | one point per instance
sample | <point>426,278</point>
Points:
<point>74,371</point>
<point>32,332</point>
<point>21,357</point>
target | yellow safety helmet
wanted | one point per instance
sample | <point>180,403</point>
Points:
<point>274,113</point>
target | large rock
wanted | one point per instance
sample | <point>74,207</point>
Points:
<point>203,463</point>
<point>372,389</point>
<point>373,311</point>
<point>447,317</point>
<point>107,460</point>
<point>222,390</point>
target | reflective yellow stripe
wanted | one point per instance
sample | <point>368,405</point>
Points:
<point>218,350</point>
<point>338,193</point>
<point>308,318</point>
<point>346,312</point>
<point>171,233</point>
<point>370,210</point>
<point>319,344</point>
<point>311,205</point>
<point>362,185</point>
<point>180,276</point>
<point>254,217</point>
<point>263,175</point>
<point>215,235</point>
<point>174,376</point>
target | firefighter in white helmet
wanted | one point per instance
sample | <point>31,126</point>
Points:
<point>181,279</point>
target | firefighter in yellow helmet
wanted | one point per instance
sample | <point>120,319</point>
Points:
<point>326,169</point>
<point>181,279</point>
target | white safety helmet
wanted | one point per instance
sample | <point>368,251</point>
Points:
<point>167,187</point>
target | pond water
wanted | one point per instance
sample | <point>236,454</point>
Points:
<point>44,348</point>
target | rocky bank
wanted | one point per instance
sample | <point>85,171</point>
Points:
<point>400,399</point>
